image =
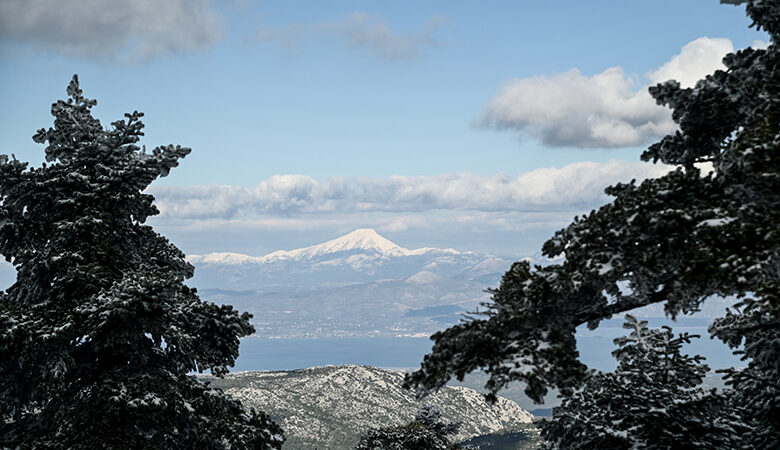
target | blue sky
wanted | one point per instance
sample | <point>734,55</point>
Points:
<point>436,122</point>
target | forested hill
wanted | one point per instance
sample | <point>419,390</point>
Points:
<point>331,406</point>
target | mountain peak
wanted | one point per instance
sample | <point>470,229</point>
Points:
<point>362,233</point>
<point>363,239</point>
<point>360,239</point>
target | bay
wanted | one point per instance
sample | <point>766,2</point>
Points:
<point>407,352</point>
<point>288,354</point>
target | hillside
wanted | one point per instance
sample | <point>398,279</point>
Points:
<point>329,407</point>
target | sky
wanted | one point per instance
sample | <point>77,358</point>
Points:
<point>479,126</point>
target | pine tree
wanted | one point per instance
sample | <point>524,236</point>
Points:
<point>653,399</point>
<point>426,432</point>
<point>677,239</point>
<point>98,335</point>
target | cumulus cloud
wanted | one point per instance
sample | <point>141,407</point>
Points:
<point>610,109</point>
<point>574,186</point>
<point>696,59</point>
<point>360,30</point>
<point>111,29</point>
<point>573,110</point>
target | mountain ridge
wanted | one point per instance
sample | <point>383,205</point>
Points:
<point>331,406</point>
<point>362,239</point>
<point>358,284</point>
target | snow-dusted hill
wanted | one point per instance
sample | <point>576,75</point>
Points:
<point>329,407</point>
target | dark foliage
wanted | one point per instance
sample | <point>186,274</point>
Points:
<point>677,239</point>
<point>654,399</point>
<point>99,332</point>
<point>426,432</point>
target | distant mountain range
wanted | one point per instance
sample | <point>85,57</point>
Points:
<point>363,239</point>
<point>330,407</point>
<point>360,256</point>
<point>360,284</point>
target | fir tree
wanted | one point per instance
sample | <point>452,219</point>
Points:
<point>99,333</point>
<point>654,399</point>
<point>426,432</point>
<point>677,239</point>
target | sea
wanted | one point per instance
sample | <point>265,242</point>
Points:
<point>404,353</point>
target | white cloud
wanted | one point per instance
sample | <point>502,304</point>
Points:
<point>367,31</point>
<point>570,109</point>
<point>396,224</point>
<point>696,59</point>
<point>758,44</point>
<point>610,109</point>
<point>112,30</point>
<point>574,186</point>
<point>359,30</point>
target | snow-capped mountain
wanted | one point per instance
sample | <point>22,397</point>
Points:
<point>365,240</point>
<point>330,407</point>
<point>360,256</point>
<point>360,284</point>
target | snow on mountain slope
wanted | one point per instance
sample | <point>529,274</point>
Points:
<point>363,239</point>
<point>360,284</point>
<point>330,407</point>
<point>225,258</point>
<point>358,257</point>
